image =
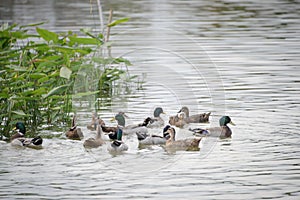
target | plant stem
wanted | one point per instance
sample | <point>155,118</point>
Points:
<point>100,16</point>
<point>108,27</point>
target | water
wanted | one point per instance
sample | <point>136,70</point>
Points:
<point>227,57</point>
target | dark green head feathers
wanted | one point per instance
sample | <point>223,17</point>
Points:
<point>21,127</point>
<point>225,120</point>
<point>120,119</point>
<point>158,111</point>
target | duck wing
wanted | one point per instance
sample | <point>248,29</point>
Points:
<point>198,118</point>
<point>141,135</point>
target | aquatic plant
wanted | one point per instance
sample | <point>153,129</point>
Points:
<point>38,69</point>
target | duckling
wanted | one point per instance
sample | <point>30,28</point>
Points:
<point>117,145</point>
<point>223,131</point>
<point>130,129</point>
<point>95,120</point>
<point>198,118</point>
<point>146,139</point>
<point>18,139</point>
<point>178,120</point>
<point>74,133</point>
<point>191,144</point>
<point>95,142</point>
<point>155,121</point>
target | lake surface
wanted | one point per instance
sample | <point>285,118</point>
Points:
<point>239,58</point>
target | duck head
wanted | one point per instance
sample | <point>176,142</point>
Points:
<point>170,133</point>
<point>165,133</point>
<point>185,110</point>
<point>181,115</point>
<point>97,122</point>
<point>225,120</point>
<point>120,119</point>
<point>20,126</point>
<point>166,128</point>
<point>158,111</point>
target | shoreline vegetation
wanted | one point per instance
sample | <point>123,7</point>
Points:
<point>42,71</point>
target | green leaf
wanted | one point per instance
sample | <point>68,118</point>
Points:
<point>47,35</point>
<point>37,75</point>
<point>65,72</point>
<point>81,40</point>
<point>4,95</point>
<point>56,91</point>
<point>39,91</point>
<point>17,68</point>
<point>35,24</point>
<point>20,112</point>
<point>41,80</point>
<point>82,94</point>
<point>119,21</point>
<point>122,60</point>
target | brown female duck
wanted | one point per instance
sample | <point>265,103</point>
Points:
<point>178,120</point>
<point>74,133</point>
<point>95,142</point>
<point>198,118</point>
<point>190,144</point>
<point>95,120</point>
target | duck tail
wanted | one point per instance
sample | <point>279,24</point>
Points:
<point>116,143</point>
<point>199,131</point>
<point>146,122</point>
<point>37,140</point>
<point>141,136</point>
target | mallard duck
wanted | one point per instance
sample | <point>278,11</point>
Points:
<point>223,131</point>
<point>95,120</point>
<point>190,144</point>
<point>147,139</point>
<point>178,120</point>
<point>130,129</point>
<point>111,131</point>
<point>156,121</point>
<point>74,133</point>
<point>95,142</point>
<point>198,118</point>
<point>18,139</point>
<point>117,145</point>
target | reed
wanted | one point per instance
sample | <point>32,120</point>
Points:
<point>38,69</point>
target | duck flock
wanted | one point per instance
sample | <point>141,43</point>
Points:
<point>113,134</point>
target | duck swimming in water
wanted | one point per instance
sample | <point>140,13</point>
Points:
<point>147,139</point>
<point>156,121</point>
<point>95,120</point>
<point>223,131</point>
<point>130,129</point>
<point>197,118</point>
<point>95,142</point>
<point>18,139</point>
<point>178,120</point>
<point>74,133</point>
<point>190,144</point>
<point>117,145</point>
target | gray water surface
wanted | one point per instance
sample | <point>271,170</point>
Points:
<point>238,58</point>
